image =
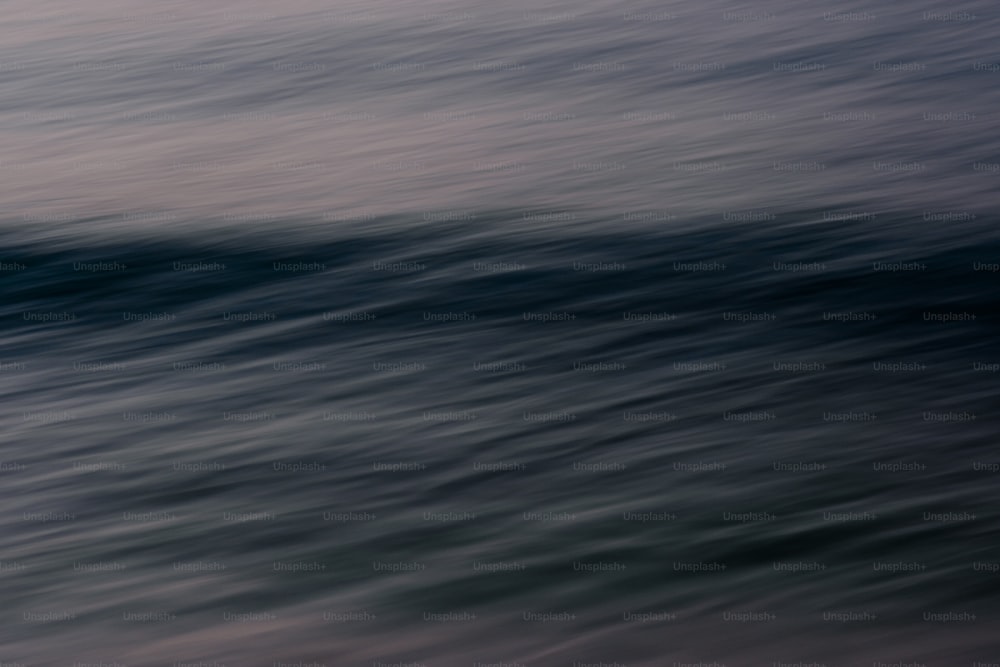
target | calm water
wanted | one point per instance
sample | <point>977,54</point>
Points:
<point>460,334</point>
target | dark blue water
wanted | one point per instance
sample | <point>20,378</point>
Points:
<point>474,335</point>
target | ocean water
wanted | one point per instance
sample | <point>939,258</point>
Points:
<point>460,334</point>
